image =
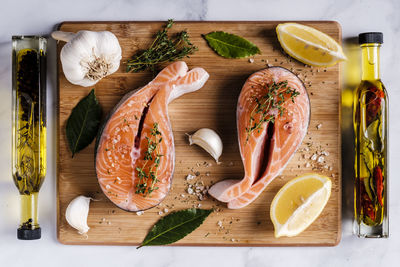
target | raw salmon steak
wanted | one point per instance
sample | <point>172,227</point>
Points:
<point>273,114</point>
<point>135,152</point>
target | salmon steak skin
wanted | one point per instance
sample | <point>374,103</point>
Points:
<point>135,152</point>
<point>273,114</point>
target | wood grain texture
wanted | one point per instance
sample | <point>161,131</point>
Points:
<point>214,106</point>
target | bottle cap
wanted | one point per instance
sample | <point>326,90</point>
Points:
<point>29,234</point>
<point>370,37</point>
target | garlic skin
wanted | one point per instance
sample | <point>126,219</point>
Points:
<point>77,213</point>
<point>88,56</point>
<point>209,140</point>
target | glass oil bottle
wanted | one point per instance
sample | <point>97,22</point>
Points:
<point>370,118</point>
<point>29,127</point>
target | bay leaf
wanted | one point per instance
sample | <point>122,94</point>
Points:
<point>230,45</point>
<point>83,123</point>
<point>372,133</point>
<point>175,226</point>
<point>367,157</point>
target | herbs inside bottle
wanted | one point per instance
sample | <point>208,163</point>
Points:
<point>29,128</point>
<point>30,125</point>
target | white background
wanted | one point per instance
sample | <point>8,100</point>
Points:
<point>40,17</point>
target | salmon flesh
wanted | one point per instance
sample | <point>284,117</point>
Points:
<point>273,114</point>
<point>135,152</point>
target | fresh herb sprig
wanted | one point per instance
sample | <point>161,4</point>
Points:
<point>163,49</point>
<point>148,180</point>
<point>272,100</point>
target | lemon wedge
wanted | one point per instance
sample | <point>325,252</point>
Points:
<point>309,45</point>
<point>298,203</point>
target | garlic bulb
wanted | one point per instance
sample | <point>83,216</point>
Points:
<point>77,213</point>
<point>88,56</point>
<point>209,140</point>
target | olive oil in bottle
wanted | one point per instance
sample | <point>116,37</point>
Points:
<point>29,128</point>
<point>370,127</point>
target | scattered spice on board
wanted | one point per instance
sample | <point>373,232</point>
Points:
<point>224,228</point>
<point>315,157</point>
<point>104,221</point>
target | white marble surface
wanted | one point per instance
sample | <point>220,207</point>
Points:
<point>40,17</point>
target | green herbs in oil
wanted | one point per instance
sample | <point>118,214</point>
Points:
<point>29,127</point>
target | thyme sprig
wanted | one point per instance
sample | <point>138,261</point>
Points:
<point>163,49</point>
<point>152,157</point>
<point>265,105</point>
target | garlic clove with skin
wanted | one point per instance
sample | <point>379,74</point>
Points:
<point>209,140</point>
<point>77,213</point>
<point>88,56</point>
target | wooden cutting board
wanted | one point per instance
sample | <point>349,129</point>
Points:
<point>214,106</point>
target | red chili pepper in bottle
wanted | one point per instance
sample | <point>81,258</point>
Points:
<point>368,207</point>
<point>373,101</point>
<point>367,204</point>
<point>378,178</point>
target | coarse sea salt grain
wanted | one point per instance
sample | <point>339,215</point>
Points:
<point>190,177</point>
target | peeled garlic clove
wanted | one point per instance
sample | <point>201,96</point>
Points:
<point>88,56</point>
<point>77,213</point>
<point>209,140</point>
